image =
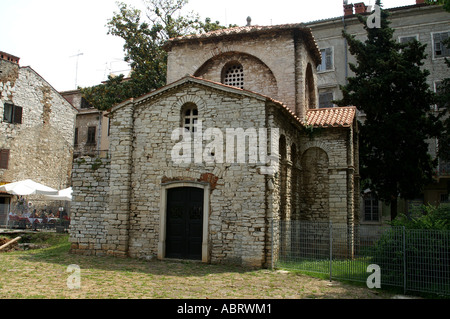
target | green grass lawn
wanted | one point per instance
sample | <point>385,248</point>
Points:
<point>42,273</point>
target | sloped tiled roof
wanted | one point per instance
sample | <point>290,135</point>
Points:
<point>253,29</point>
<point>325,117</point>
<point>331,117</point>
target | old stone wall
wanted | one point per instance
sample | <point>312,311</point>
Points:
<point>257,76</point>
<point>317,170</point>
<point>237,212</point>
<point>41,146</point>
<point>90,214</point>
<point>276,51</point>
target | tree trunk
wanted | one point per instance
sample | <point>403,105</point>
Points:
<point>10,243</point>
<point>394,208</point>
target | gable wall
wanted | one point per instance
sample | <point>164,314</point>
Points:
<point>237,220</point>
<point>41,147</point>
<point>276,51</point>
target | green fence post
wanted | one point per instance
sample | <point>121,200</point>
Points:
<point>271,255</point>
<point>404,260</point>
<point>331,249</point>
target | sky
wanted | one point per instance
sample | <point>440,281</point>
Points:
<point>66,41</point>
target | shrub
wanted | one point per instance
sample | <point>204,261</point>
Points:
<point>419,244</point>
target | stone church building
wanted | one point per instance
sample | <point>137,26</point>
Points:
<point>200,167</point>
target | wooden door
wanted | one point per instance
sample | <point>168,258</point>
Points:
<point>184,223</point>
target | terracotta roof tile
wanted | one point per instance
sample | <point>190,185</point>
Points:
<point>253,29</point>
<point>325,117</point>
<point>331,117</point>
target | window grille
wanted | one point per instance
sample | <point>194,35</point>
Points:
<point>234,76</point>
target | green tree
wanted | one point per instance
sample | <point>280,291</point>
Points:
<point>390,87</point>
<point>446,3</point>
<point>143,47</point>
<point>443,99</point>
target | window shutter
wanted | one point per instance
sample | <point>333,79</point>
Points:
<point>17,114</point>
<point>7,112</point>
<point>4,159</point>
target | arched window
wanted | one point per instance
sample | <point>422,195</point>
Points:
<point>310,88</point>
<point>233,74</point>
<point>283,177</point>
<point>189,119</point>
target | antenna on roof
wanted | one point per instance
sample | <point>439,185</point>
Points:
<point>76,69</point>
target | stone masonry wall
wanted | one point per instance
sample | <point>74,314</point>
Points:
<point>41,146</point>
<point>276,51</point>
<point>257,76</point>
<point>237,224</point>
<point>89,207</point>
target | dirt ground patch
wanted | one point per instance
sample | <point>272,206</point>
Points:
<point>43,273</point>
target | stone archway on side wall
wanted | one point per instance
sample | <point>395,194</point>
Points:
<point>314,190</point>
<point>258,77</point>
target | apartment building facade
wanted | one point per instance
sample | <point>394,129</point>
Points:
<point>428,24</point>
<point>91,135</point>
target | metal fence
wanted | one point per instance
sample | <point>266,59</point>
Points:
<point>413,259</point>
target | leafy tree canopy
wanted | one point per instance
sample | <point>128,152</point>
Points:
<point>390,88</point>
<point>143,48</point>
<point>446,3</point>
<point>443,98</point>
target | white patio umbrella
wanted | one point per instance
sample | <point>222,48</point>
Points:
<point>64,194</point>
<point>28,187</point>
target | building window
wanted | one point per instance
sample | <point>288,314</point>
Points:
<point>440,48</point>
<point>326,99</point>
<point>85,104</point>
<point>407,39</point>
<point>12,113</point>
<point>4,158</point>
<point>439,88</point>
<point>75,141</point>
<point>310,88</point>
<point>371,208</point>
<point>233,75</point>
<point>91,135</point>
<point>327,60</point>
<point>190,117</point>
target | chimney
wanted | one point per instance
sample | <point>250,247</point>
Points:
<point>9,57</point>
<point>348,9</point>
<point>360,8</point>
